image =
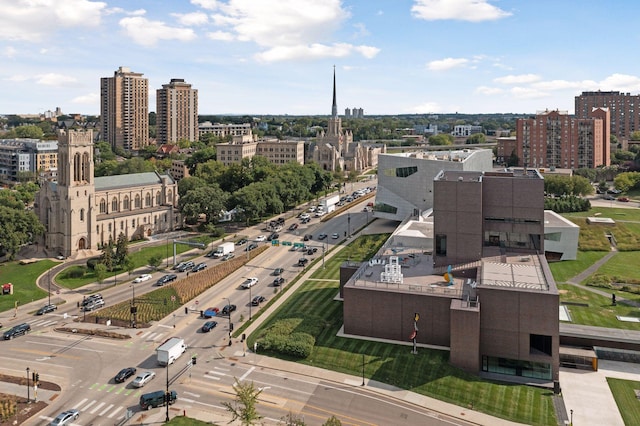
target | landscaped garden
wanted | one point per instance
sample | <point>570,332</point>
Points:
<point>23,277</point>
<point>625,394</point>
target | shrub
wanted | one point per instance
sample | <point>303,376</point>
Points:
<point>76,272</point>
<point>91,263</point>
<point>8,407</point>
<point>282,338</point>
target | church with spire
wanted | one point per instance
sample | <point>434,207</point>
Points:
<point>334,149</point>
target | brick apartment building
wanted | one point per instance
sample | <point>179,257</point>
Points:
<point>176,112</point>
<point>624,109</point>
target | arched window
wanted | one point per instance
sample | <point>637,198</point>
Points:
<point>158,199</point>
<point>125,203</point>
<point>147,200</point>
<point>114,204</point>
<point>170,196</point>
<point>82,215</point>
<point>138,203</point>
<point>103,206</point>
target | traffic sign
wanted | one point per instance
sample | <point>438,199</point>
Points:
<point>286,243</point>
<point>275,242</point>
<point>298,245</point>
<point>197,302</point>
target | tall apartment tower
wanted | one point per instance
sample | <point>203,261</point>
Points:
<point>124,109</point>
<point>557,140</point>
<point>624,109</point>
<point>176,112</point>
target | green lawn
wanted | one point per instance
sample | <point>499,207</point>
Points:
<point>623,265</point>
<point>562,271</point>
<point>23,278</point>
<point>612,212</point>
<point>186,421</point>
<point>600,312</point>
<point>628,405</point>
<point>428,373</point>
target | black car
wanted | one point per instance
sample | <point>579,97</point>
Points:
<point>303,261</point>
<point>278,271</point>
<point>17,330</point>
<point>251,247</point>
<point>46,309</point>
<point>258,300</point>
<point>228,309</point>
<point>199,267</point>
<point>212,253</point>
<point>124,374</point>
<point>241,242</point>
<point>166,279</point>
<point>278,282</point>
<point>293,227</point>
<point>307,237</point>
<point>273,236</point>
<point>306,220</point>
<point>208,326</point>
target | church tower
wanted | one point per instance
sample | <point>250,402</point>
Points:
<point>76,189</point>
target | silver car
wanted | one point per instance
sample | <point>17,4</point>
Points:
<point>65,418</point>
<point>142,379</point>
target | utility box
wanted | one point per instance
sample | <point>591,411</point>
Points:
<point>7,288</point>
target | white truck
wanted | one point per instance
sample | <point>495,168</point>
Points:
<point>171,350</point>
<point>329,203</point>
<point>224,249</point>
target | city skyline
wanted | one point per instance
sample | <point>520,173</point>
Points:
<point>277,57</point>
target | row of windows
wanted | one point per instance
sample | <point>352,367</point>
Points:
<point>402,172</point>
<point>115,204</point>
<point>133,223</point>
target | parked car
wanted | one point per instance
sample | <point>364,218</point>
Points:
<point>46,309</point>
<point>322,236</point>
<point>228,256</point>
<point>293,227</point>
<point>65,418</point>
<point>143,378</point>
<point>241,242</point>
<point>166,279</point>
<point>143,277</point>
<point>208,326</point>
<point>210,312</point>
<point>278,271</point>
<point>335,236</point>
<point>261,238</point>
<point>256,301</point>
<point>124,374</point>
<point>228,309</point>
<point>250,282</point>
<point>17,330</point>
<point>199,267</point>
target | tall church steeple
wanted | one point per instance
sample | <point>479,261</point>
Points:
<point>334,106</point>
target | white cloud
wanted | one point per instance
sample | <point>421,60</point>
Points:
<point>206,4</point>
<point>527,93</point>
<point>53,79</point>
<point>361,30</point>
<point>447,64</point>
<point>9,52</point>
<point>33,21</point>
<point>88,99</point>
<point>314,51</point>
<point>562,84</point>
<point>147,33</point>
<point>486,90</point>
<point>622,82</point>
<point>17,78</point>
<point>517,79</point>
<point>427,107</point>
<point>462,10</point>
<point>220,35</point>
<point>192,19</point>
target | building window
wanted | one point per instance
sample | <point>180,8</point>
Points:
<point>125,203</point>
<point>103,206</point>
<point>170,196</point>
<point>138,202</point>
<point>158,198</point>
<point>540,344</point>
<point>114,204</point>
<point>441,245</point>
<point>82,215</point>
<point>133,223</point>
<point>147,200</point>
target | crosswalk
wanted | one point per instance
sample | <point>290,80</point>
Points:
<point>43,322</point>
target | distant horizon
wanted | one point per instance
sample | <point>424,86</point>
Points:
<point>390,57</point>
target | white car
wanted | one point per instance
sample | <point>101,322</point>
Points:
<point>305,216</point>
<point>250,282</point>
<point>143,378</point>
<point>143,277</point>
<point>261,238</point>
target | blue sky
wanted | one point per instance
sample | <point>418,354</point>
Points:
<point>277,56</point>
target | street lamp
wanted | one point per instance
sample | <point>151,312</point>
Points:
<point>28,385</point>
<point>348,225</point>
<point>570,420</point>
<point>49,275</point>
<point>167,396</point>
<point>133,306</point>
<point>229,314</point>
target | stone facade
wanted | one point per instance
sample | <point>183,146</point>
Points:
<point>81,212</point>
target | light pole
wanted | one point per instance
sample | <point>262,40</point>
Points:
<point>570,420</point>
<point>229,314</point>
<point>362,369</point>
<point>348,225</point>
<point>250,300</point>
<point>28,385</point>
<point>167,396</point>
<point>133,306</point>
<point>49,274</point>
<point>167,252</point>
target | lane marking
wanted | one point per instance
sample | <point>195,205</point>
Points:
<point>88,405</point>
<point>80,403</point>
<point>105,410</point>
<point>244,376</point>
<point>114,412</point>
<point>97,408</point>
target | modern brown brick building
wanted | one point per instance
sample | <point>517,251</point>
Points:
<point>176,112</point>
<point>485,293</point>
<point>624,108</point>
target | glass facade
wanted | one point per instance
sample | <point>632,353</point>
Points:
<point>514,367</point>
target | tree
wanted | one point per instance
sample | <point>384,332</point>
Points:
<point>293,420</point>
<point>208,200</point>
<point>33,132</point>
<point>101,272</point>
<point>441,139</point>
<point>107,257</point>
<point>513,159</point>
<point>128,264</point>
<point>476,138</point>
<point>332,421</point>
<point>244,406</point>
<point>155,261</point>
<point>17,226</point>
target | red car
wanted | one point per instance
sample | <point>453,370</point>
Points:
<point>623,199</point>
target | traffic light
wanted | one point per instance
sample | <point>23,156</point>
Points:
<point>193,360</point>
<point>231,327</point>
<point>33,377</point>
<point>37,378</point>
<point>244,336</point>
<point>186,310</point>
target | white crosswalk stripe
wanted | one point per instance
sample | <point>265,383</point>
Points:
<point>88,406</point>
<point>113,413</point>
<point>80,403</point>
<point>106,409</point>
<point>97,408</point>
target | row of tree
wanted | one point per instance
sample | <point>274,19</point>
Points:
<point>18,225</point>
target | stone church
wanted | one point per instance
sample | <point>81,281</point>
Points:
<point>335,150</point>
<point>81,212</point>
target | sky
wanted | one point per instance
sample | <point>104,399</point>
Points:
<point>276,57</point>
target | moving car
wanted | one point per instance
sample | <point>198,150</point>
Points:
<point>251,247</point>
<point>273,236</point>
<point>228,309</point>
<point>65,418</point>
<point>278,282</point>
<point>228,256</point>
<point>250,282</point>
<point>623,199</point>
<point>278,271</point>
<point>199,267</point>
<point>307,237</point>
<point>210,312</point>
<point>156,399</point>
<point>93,304</point>
<point>46,309</point>
<point>293,227</point>
<point>241,242</point>
<point>304,216</point>
<point>335,236</point>
<point>142,379</point>
<point>261,238</point>
<point>17,330</point>
<point>256,301</point>
<point>124,374</point>
<point>91,299</point>
<point>208,326</point>
<point>166,279</point>
<point>303,261</point>
<point>322,236</point>
<point>186,266</point>
<point>143,277</point>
